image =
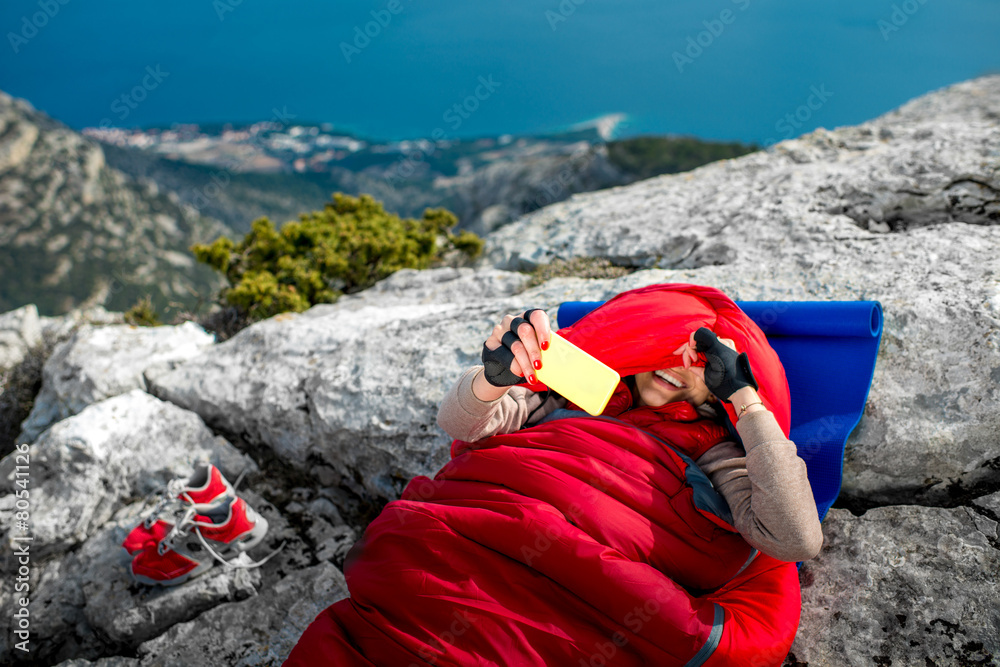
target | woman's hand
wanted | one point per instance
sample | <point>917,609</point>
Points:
<point>512,352</point>
<point>726,372</point>
<point>689,350</point>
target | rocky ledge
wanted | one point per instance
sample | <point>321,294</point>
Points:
<point>331,411</point>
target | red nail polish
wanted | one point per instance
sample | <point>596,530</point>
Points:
<point>537,363</point>
<point>545,346</point>
<point>532,380</point>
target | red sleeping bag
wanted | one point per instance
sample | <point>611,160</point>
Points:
<point>579,541</point>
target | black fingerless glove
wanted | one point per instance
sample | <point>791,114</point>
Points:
<point>725,371</point>
<point>497,362</point>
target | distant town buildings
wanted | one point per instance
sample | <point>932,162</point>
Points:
<point>266,146</point>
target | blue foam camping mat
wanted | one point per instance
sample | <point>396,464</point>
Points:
<point>828,350</point>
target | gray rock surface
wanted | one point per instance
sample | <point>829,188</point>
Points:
<point>349,393</point>
<point>904,209</point>
<point>89,590</point>
<point>445,285</point>
<point>86,467</point>
<point>85,474</point>
<point>902,585</point>
<point>941,146</point>
<point>126,613</point>
<point>61,327</point>
<point>116,661</point>
<point>20,331</point>
<point>250,633</point>
<point>989,505</point>
<point>98,362</point>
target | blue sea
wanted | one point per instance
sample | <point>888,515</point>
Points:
<point>750,70</point>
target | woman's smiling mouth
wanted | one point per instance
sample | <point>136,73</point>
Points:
<point>667,377</point>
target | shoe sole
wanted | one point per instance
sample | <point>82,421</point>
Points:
<point>141,579</point>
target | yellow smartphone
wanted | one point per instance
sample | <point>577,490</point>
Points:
<point>577,375</point>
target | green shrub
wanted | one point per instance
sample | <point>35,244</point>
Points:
<point>142,313</point>
<point>350,245</point>
<point>468,243</point>
<point>651,156</point>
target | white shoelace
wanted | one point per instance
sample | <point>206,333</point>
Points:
<point>168,497</point>
<point>239,479</point>
<point>174,495</point>
<point>187,524</point>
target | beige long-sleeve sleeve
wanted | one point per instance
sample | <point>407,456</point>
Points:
<point>767,488</point>
<point>464,416</point>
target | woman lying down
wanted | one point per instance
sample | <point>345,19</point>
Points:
<point>663,532</point>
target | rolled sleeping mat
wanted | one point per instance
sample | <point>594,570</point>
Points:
<point>832,319</point>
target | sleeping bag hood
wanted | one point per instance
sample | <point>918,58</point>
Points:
<point>637,331</point>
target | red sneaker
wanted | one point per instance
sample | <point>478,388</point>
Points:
<point>235,527</point>
<point>204,534</point>
<point>205,486</point>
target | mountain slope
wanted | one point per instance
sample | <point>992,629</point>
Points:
<point>74,231</point>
